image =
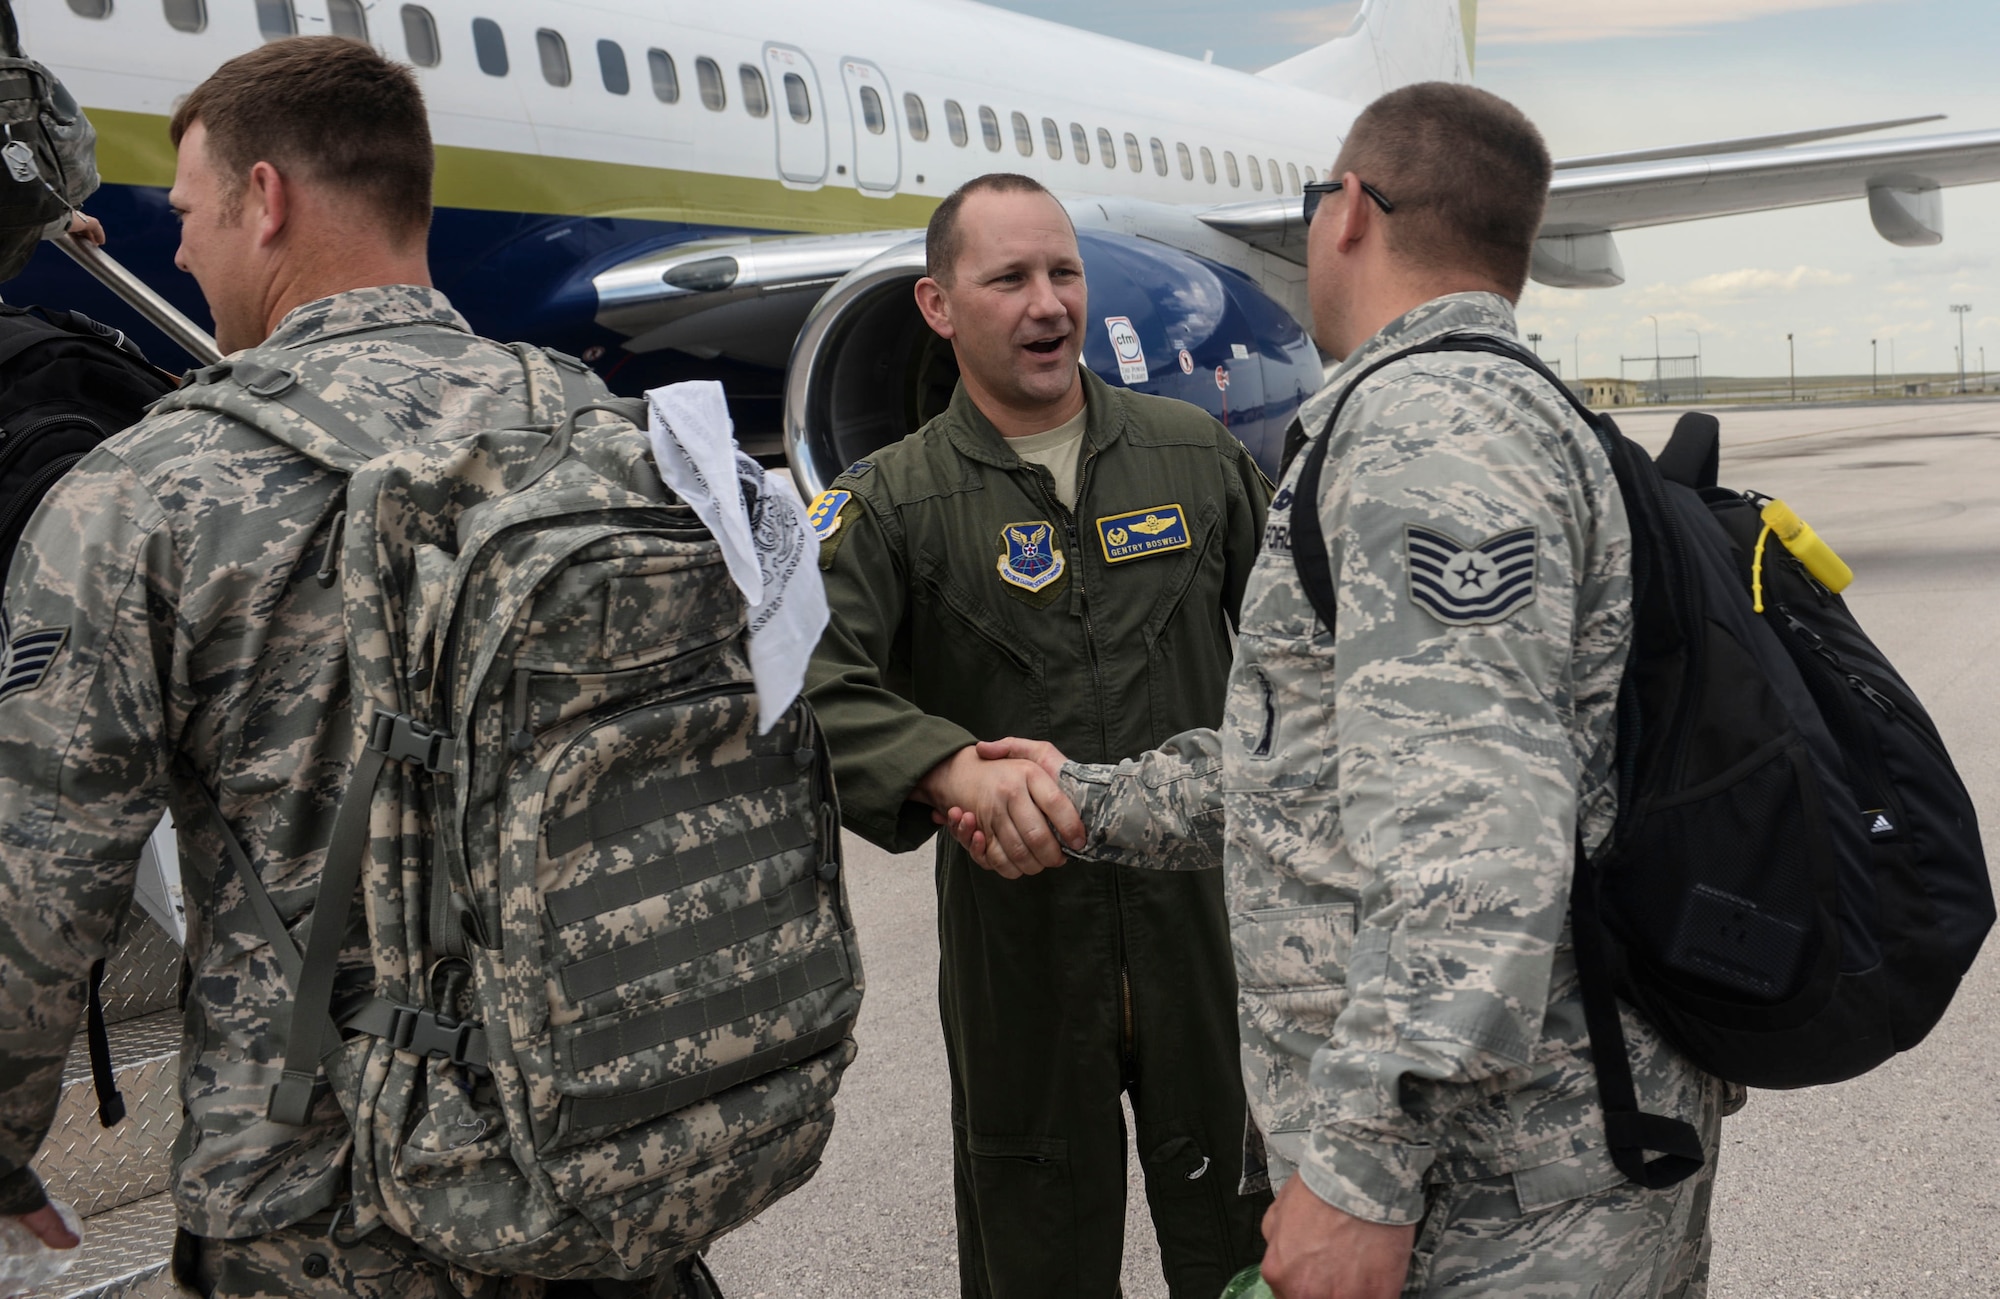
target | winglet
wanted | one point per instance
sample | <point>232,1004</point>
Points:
<point>1389,43</point>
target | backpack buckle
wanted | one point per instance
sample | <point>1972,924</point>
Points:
<point>405,739</point>
<point>430,1034</point>
<point>274,382</point>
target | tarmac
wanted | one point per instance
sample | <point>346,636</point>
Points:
<point>1883,1187</point>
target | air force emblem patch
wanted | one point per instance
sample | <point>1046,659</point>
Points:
<point>1466,585</point>
<point>1032,560</point>
<point>1143,532</point>
<point>824,516</point>
<point>25,659</point>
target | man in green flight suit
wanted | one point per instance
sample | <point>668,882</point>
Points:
<point>1053,557</point>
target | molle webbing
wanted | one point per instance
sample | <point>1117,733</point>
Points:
<point>611,814</point>
<point>606,1111</point>
<point>664,874</point>
<point>725,929</point>
<point>791,983</point>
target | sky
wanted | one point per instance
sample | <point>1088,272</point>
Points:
<point>1605,75</point>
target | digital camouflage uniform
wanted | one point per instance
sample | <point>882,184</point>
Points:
<point>1395,805</point>
<point>968,603</point>
<point>176,567</point>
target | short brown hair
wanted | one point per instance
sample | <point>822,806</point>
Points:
<point>1467,171</point>
<point>941,241</point>
<point>327,108</point>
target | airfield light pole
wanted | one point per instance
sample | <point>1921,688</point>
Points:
<point>1959,309</point>
<point>1792,365</point>
<point>1535,342</point>
<point>1577,343</point>
<point>1659,379</point>
<point>1699,390</point>
<point>1874,368</point>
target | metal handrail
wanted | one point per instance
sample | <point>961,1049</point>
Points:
<point>140,297</point>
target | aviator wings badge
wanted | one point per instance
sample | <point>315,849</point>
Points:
<point>1465,585</point>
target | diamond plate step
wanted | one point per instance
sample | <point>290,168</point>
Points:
<point>97,1168</point>
<point>125,1253</point>
<point>142,975</point>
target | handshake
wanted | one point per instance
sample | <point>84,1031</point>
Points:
<point>1002,801</point>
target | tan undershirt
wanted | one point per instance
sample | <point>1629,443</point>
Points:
<point>1056,451</point>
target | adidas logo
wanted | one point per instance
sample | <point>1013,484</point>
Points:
<point>1879,823</point>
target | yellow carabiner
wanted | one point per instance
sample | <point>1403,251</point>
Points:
<point>1803,542</point>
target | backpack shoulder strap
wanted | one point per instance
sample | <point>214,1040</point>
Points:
<point>1693,455</point>
<point>261,394</point>
<point>1309,549</point>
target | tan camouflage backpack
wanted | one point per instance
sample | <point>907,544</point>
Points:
<point>615,973</point>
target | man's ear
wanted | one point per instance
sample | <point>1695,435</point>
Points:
<point>935,303</point>
<point>267,202</point>
<point>1357,213</point>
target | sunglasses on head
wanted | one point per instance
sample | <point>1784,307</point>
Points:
<point>1319,189</point>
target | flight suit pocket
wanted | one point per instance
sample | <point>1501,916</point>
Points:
<point>1027,1214</point>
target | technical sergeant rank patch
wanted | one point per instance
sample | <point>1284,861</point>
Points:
<point>1032,560</point>
<point>1138,533</point>
<point>25,659</point>
<point>1466,585</point>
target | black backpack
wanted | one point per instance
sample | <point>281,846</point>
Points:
<point>48,153</point>
<point>1795,884</point>
<point>66,384</point>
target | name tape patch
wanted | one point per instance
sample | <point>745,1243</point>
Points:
<point>1466,585</point>
<point>1032,560</point>
<point>1138,533</point>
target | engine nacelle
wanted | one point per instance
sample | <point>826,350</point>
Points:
<point>866,371</point>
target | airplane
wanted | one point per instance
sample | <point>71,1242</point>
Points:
<point>672,189</point>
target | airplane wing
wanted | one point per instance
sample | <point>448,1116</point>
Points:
<point>1900,178</point>
<point>744,298</point>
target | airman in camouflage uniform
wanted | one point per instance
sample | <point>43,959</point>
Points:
<point>1395,802</point>
<point>198,655</point>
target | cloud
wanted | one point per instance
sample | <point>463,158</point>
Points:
<point>1743,285</point>
<point>1511,22</point>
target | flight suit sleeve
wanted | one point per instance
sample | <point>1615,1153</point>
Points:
<point>1458,532</point>
<point>91,649</point>
<point>1159,811</point>
<point>882,743</point>
<point>1249,503</point>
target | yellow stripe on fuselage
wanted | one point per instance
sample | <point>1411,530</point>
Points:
<point>133,149</point>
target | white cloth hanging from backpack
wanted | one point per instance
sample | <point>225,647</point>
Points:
<point>761,526</point>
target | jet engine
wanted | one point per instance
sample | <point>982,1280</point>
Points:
<point>866,370</point>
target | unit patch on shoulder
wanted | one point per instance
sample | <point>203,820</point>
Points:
<point>25,659</point>
<point>824,516</point>
<point>1138,533</point>
<point>1032,559</point>
<point>1465,585</point>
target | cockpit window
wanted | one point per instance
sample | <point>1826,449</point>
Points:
<point>420,35</point>
<point>490,46</point>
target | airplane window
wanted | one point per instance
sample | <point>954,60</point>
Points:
<point>666,78</point>
<point>1079,140</point>
<point>491,47</point>
<point>756,99</point>
<point>798,100</point>
<point>1256,176</point>
<point>554,55</point>
<point>1187,161</point>
<point>1207,165</point>
<point>709,73</point>
<point>1159,156</point>
<point>1024,136</point>
<point>420,35</point>
<point>90,8</point>
<point>919,121</point>
<point>1132,152</point>
<point>1052,137</point>
<point>1105,149</point>
<point>954,120</point>
<point>1235,177</point>
<point>1277,180</point>
<point>346,19</point>
<point>989,128</point>
<point>611,67</point>
<point>1292,170</point>
<point>872,115</point>
<point>275,18</point>
<point>186,15</point>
